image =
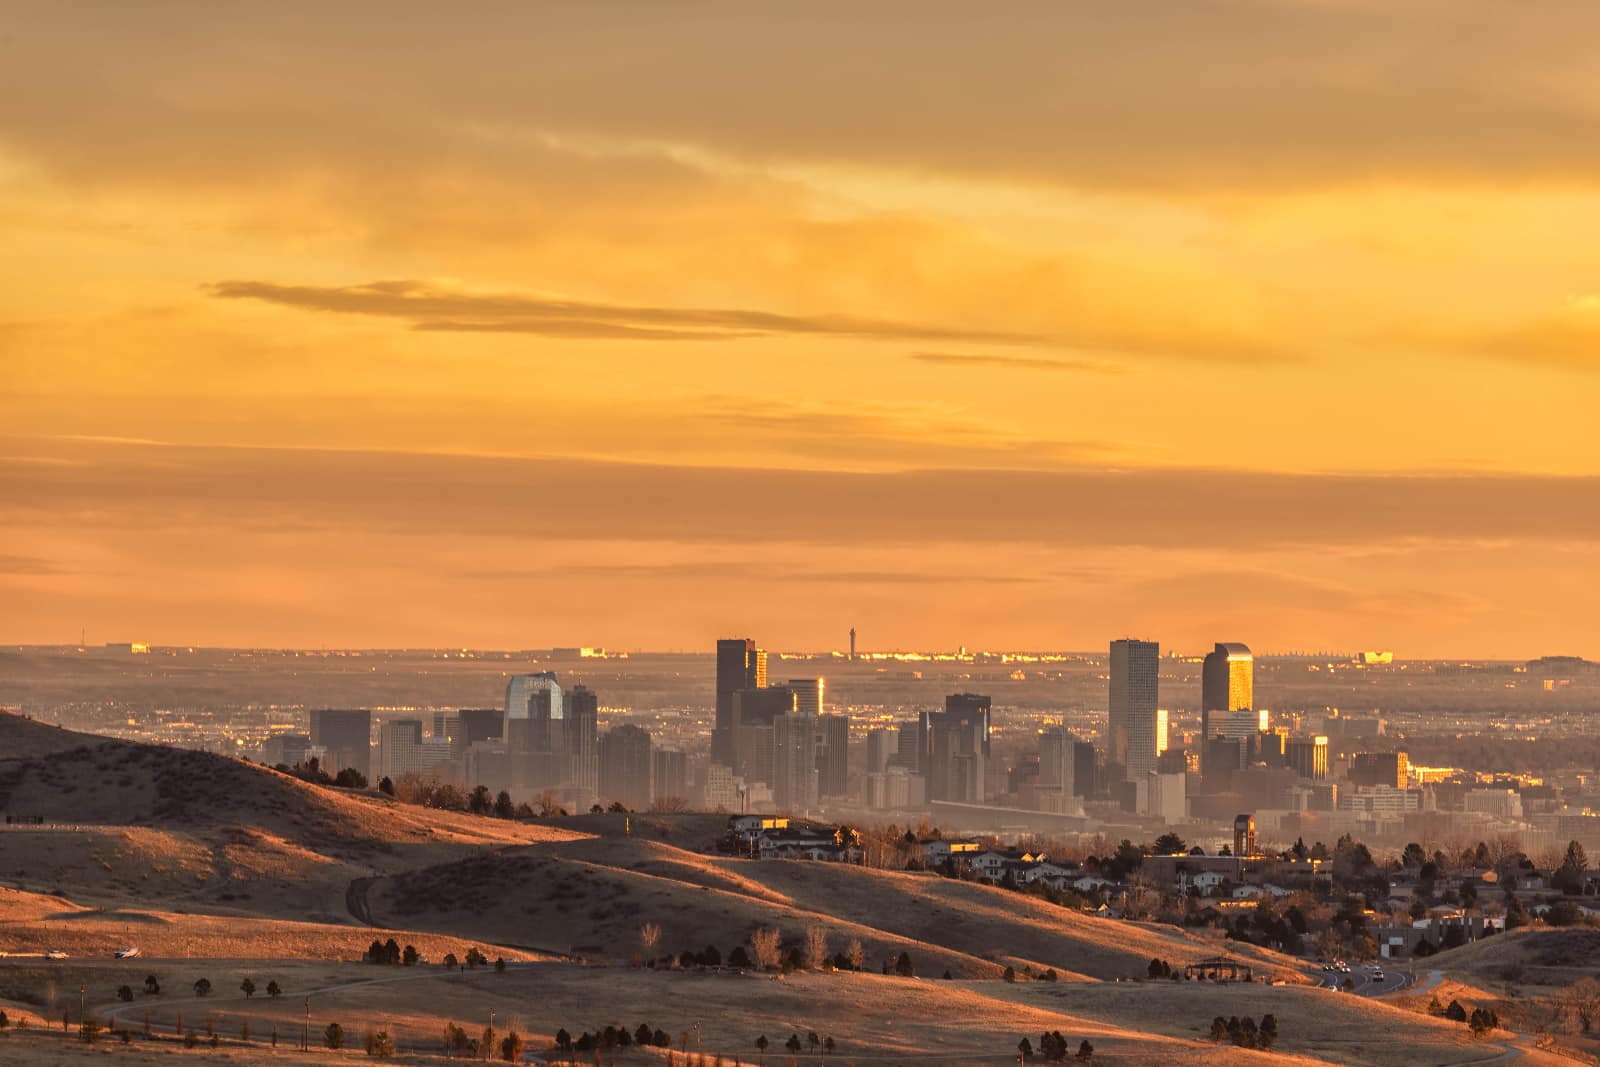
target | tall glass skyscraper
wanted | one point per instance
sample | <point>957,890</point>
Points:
<point>1227,683</point>
<point>808,693</point>
<point>583,745</point>
<point>535,730</point>
<point>1135,691</point>
<point>740,665</point>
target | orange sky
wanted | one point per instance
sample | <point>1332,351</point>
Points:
<point>643,325</point>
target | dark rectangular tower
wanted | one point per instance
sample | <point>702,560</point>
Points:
<point>740,665</point>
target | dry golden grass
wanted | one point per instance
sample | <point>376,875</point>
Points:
<point>220,869</point>
<point>96,934</point>
<point>987,921</point>
<point>591,896</point>
<point>874,1019</point>
<point>538,898</point>
<point>1530,956</point>
<point>89,780</point>
<point>204,832</point>
<point>1316,1023</point>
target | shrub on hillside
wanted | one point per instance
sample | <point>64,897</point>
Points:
<point>456,1040</point>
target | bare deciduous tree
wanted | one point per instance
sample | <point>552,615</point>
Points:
<point>817,947</point>
<point>764,945</point>
<point>649,938</point>
<point>855,953</point>
<point>1582,999</point>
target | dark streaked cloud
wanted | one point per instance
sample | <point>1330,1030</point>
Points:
<point>1235,93</point>
<point>725,569</point>
<point>432,307</point>
<point>1568,338</point>
<point>145,487</point>
<point>578,329</point>
<point>986,362</point>
<point>27,566</point>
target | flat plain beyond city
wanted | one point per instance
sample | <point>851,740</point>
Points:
<point>736,533</point>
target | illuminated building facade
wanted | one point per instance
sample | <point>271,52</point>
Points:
<point>1227,684</point>
<point>1134,718</point>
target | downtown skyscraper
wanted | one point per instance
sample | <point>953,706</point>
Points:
<point>1227,683</point>
<point>954,748</point>
<point>1135,691</point>
<point>740,665</point>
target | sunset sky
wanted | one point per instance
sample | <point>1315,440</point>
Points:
<point>644,324</point>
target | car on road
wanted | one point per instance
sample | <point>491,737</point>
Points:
<point>55,954</point>
<point>126,953</point>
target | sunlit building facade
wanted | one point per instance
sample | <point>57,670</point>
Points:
<point>1135,691</point>
<point>1227,683</point>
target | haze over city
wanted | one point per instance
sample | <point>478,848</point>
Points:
<point>678,534</point>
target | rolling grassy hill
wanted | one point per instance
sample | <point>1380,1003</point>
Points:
<point>171,824</point>
<point>592,896</point>
<point>221,867</point>
<point>1534,956</point>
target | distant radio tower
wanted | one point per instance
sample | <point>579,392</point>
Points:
<point>852,642</point>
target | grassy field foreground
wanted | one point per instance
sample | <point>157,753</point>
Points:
<point>873,1019</point>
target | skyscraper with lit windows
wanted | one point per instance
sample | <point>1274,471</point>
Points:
<point>1227,683</point>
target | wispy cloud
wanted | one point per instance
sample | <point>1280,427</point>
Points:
<point>139,487</point>
<point>27,566</point>
<point>427,306</point>
<point>984,361</point>
<point>724,569</point>
<point>1567,337</point>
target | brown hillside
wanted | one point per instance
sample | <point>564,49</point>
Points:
<point>592,896</point>
<point>986,920</point>
<point>125,818</point>
<point>25,738</point>
<point>1530,955</point>
<point>552,903</point>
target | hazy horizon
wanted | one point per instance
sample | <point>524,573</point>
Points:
<point>604,651</point>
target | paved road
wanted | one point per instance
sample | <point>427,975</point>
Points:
<point>1363,984</point>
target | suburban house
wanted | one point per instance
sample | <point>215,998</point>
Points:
<point>935,851</point>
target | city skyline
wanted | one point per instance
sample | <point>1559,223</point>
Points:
<point>541,532</point>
